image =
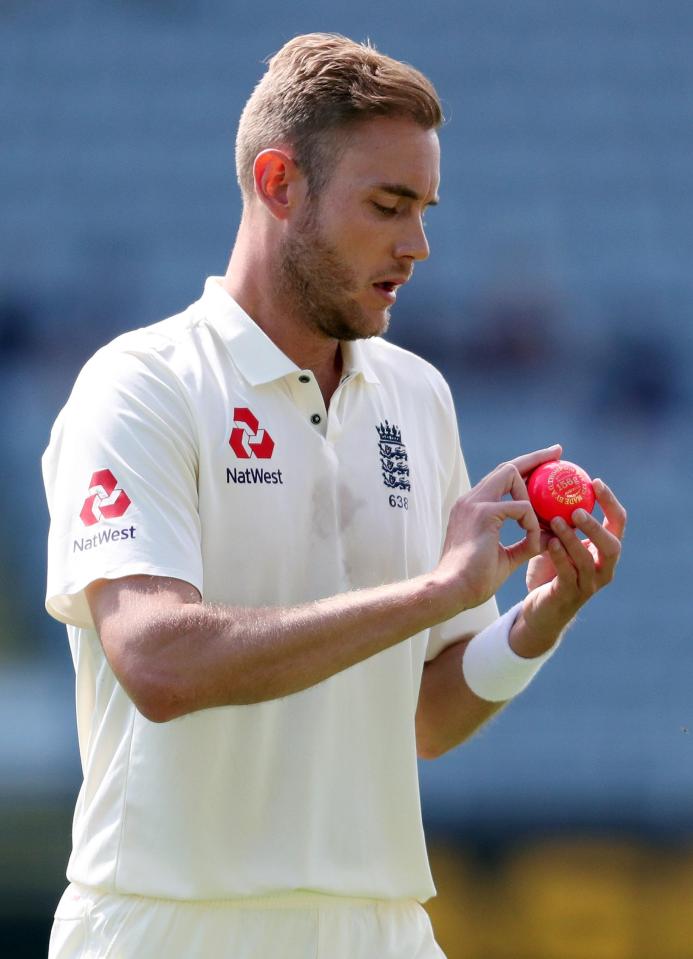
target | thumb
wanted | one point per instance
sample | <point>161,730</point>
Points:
<point>523,550</point>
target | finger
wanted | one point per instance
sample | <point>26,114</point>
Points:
<point>523,514</point>
<point>521,552</point>
<point>540,569</point>
<point>566,572</point>
<point>518,487</point>
<point>614,512</point>
<point>529,461</point>
<point>578,553</point>
<point>521,511</point>
<point>606,544</point>
<point>545,538</point>
<point>504,480</point>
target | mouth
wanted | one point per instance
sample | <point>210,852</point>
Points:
<point>387,289</point>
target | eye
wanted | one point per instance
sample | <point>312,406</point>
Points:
<point>385,210</point>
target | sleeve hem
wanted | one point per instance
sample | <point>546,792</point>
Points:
<point>69,605</point>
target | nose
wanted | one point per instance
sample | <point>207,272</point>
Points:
<point>412,242</point>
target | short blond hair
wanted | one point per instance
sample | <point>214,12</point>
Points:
<point>316,85</point>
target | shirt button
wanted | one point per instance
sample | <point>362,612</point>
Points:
<point>303,378</point>
<point>316,418</point>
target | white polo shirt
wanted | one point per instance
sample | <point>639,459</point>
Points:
<point>196,449</point>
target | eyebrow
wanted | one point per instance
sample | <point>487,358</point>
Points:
<point>399,189</point>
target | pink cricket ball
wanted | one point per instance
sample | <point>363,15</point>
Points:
<point>558,488</point>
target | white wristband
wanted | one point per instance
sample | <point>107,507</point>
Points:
<point>492,669</point>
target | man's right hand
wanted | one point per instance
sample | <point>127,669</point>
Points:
<point>474,563</point>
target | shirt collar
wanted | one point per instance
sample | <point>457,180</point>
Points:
<point>257,357</point>
<point>355,360</point>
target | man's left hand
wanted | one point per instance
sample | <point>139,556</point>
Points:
<point>571,570</point>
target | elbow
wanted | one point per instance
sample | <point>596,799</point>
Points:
<point>434,739</point>
<point>154,709</point>
<point>434,749</point>
<point>153,693</point>
<point>429,750</point>
<point>155,703</point>
<point>156,697</point>
<point>428,746</point>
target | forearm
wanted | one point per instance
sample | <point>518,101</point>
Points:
<point>184,657</point>
<point>474,678</point>
<point>448,712</point>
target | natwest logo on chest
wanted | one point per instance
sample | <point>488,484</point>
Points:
<point>247,438</point>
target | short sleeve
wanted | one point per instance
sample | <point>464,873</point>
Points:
<point>121,481</point>
<point>471,620</point>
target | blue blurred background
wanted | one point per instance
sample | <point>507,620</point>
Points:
<point>557,300</point>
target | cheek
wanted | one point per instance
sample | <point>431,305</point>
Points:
<point>365,247</point>
<point>358,242</point>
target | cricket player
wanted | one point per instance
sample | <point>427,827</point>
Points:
<point>277,581</point>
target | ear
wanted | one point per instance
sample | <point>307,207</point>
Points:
<point>277,181</point>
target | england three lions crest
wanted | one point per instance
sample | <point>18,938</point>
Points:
<point>393,457</point>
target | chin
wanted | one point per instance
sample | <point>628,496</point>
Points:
<point>384,325</point>
<point>374,321</point>
<point>383,322</point>
<point>354,323</point>
<point>370,327</point>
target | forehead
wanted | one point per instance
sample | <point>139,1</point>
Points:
<point>390,150</point>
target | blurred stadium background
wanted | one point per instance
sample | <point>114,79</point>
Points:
<point>557,300</point>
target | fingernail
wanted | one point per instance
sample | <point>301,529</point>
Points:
<point>579,516</point>
<point>558,523</point>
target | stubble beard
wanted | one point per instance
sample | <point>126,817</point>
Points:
<point>316,283</point>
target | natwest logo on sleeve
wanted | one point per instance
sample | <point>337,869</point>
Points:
<point>105,498</point>
<point>247,439</point>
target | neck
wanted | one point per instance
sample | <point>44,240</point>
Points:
<point>248,280</point>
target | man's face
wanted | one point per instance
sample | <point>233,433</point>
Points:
<point>349,248</point>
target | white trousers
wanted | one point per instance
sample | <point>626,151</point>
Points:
<point>90,924</point>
